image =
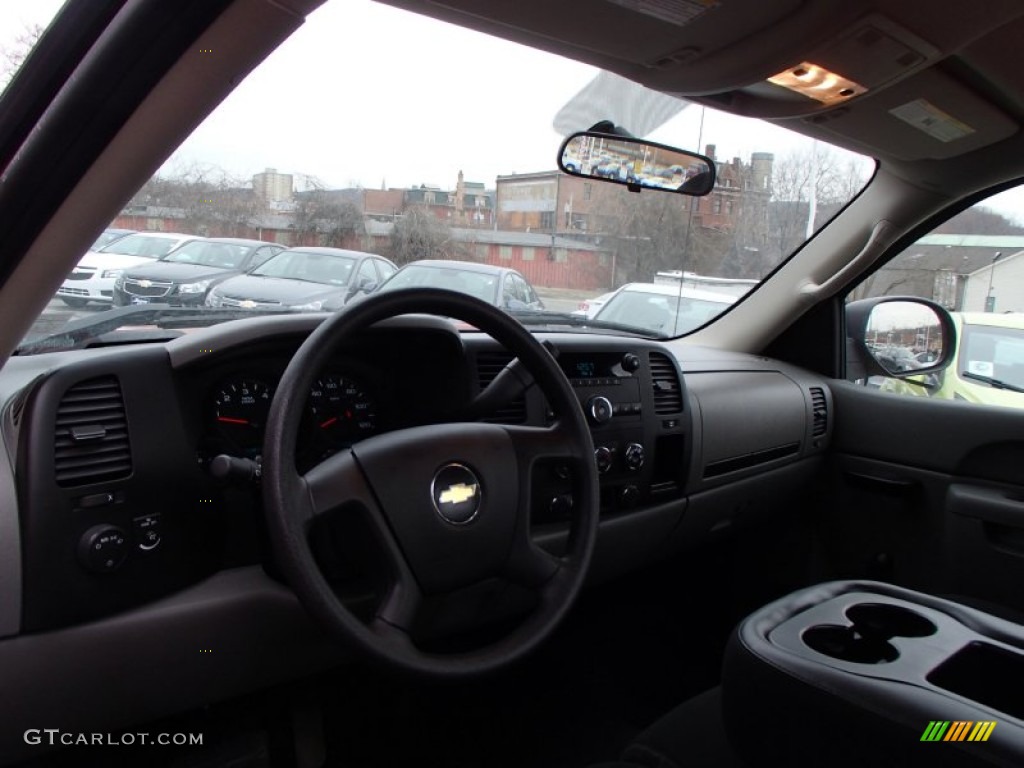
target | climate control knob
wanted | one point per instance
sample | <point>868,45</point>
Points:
<point>603,456</point>
<point>634,456</point>
<point>630,362</point>
<point>600,409</point>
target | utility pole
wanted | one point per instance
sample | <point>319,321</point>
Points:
<point>990,300</point>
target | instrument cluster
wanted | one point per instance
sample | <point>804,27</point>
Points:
<point>340,410</point>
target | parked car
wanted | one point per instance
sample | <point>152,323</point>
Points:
<point>92,279</point>
<point>306,278</point>
<point>987,366</point>
<point>662,309</point>
<point>109,236</point>
<point>500,286</point>
<point>590,307</point>
<point>186,274</point>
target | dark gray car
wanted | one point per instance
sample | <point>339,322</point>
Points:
<point>304,278</point>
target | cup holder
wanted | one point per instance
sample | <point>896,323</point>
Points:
<point>887,621</point>
<point>847,644</point>
<point>867,640</point>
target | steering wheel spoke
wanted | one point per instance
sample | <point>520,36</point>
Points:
<point>531,566</point>
<point>335,481</point>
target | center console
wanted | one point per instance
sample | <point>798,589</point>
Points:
<point>865,673</point>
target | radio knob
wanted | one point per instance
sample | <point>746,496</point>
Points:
<point>630,363</point>
<point>603,456</point>
<point>634,456</point>
<point>600,409</point>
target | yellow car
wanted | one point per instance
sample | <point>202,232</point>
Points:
<point>987,367</point>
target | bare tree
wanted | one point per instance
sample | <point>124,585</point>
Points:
<point>418,234</point>
<point>14,53</point>
<point>326,217</point>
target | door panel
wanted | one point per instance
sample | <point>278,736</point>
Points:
<point>926,493</point>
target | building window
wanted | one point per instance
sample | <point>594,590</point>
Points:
<point>505,252</point>
<point>528,253</point>
<point>482,251</point>
<point>586,191</point>
<point>728,207</point>
<point>604,259</point>
<point>716,204</point>
<point>428,198</point>
<point>561,254</point>
<point>547,220</point>
<point>696,203</point>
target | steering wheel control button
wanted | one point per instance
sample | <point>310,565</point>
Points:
<point>147,532</point>
<point>103,548</point>
<point>603,456</point>
<point>456,493</point>
<point>600,409</point>
<point>634,456</point>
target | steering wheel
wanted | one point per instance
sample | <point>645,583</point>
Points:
<point>448,503</point>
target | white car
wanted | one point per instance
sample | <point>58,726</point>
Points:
<point>93,277</point>
<point>665,309</point>
<point>591,307</point>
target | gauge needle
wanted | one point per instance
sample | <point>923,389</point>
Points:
<point>328,423</point>
<point>229,420</point>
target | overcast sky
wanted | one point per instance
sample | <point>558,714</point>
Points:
<point>364,94</point>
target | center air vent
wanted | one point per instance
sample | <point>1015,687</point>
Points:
<point>91,434</point>
<point>668,395</point>
<point>819,409</point>
<point>489,365</point>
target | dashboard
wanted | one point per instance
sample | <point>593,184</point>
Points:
<point>119,541</point>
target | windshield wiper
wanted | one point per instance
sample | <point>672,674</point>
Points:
<point>83,332</point>
<point>996,383</point>
<point>544,317</point>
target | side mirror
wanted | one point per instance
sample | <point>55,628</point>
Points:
<point>899,337</point>
<point>636,163</point>
<point>365,285</point>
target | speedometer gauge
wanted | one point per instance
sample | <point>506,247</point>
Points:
<point>240,410</point>
<point>341,411</point>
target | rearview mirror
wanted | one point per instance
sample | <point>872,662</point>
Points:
<point>636,163</point>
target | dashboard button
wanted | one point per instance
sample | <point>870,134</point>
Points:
<point>95,500</point>
<point>603,456</point>
<point>147,532</point>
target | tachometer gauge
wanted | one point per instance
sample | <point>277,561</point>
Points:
<point>341,412</point>
<point>240,411</point>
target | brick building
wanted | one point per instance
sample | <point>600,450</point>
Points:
<point>740,197</point>
<point>545,202</point>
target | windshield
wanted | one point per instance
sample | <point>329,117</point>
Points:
<point>309,267</point>
<point>225,255</point>
<point>473,178</point>
<point>141,245</point>
<point>993,353</point>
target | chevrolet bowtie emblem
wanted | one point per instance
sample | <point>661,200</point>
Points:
<point>145,283</point>
<point>456,494</point>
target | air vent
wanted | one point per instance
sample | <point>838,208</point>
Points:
<point>819,408</point>
<point>668,395</point>
<point>489,365</point>
<point>91,434</point>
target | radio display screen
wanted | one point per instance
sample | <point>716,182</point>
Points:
<point>596,366</point>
